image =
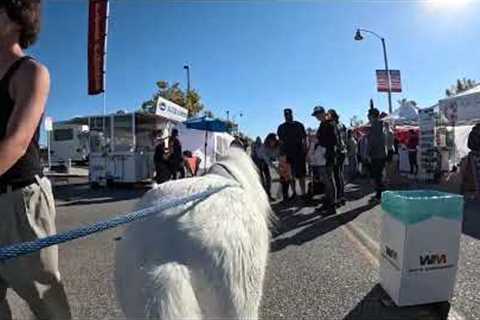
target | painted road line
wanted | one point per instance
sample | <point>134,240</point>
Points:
<point>371,250</point>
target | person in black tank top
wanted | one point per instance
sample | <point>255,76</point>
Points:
<point>26,199</point>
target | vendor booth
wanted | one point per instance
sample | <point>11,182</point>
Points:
<point>461,112</point>
<point>207,146</point>
<point>122,144</point>
<point>123,152</point>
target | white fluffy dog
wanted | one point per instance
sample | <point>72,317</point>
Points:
<point>202,260</point>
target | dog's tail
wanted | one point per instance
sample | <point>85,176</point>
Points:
<point>172,295</point>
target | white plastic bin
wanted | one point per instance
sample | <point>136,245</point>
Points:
<point>420,245</point>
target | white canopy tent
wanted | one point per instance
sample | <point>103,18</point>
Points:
<point>218,143</point>
<point>407,113</point>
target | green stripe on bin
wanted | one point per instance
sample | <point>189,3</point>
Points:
<point>412,207</point>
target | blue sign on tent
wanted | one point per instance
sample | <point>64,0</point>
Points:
<point>206,124</point>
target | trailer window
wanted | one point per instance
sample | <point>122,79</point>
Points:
<point>63,134</point>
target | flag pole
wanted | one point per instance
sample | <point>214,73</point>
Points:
<point>105,56</point>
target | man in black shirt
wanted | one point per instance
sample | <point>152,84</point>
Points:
<point>162,170</point>
<point>327,138</point>
<point>293,137</point>
<point>176,156</point>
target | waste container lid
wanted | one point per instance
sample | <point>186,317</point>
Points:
<point>412,207</point>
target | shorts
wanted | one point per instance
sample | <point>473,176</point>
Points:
<point>298,163</point>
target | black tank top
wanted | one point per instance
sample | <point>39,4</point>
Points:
<point>29,164</point>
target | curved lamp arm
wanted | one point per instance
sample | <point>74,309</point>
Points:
<point>374,33</point>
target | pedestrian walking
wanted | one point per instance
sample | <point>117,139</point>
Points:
<point>352,147</point>
<point>363,159</point>
<point>26,199</point>
<point>412,151</point>
<point>285,172</point>
<point>175,156</point>
<point>269,153</point>
<point>263,155</point>
<point>293,137</point>
<point>256,151</point>
<point>377,151</point>
<point>327,142</point>
<point>341,154</point>
<point>162,169</point>
<point>391,165</point>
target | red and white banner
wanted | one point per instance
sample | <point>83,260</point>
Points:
<point>97,32</point>
<point>382,81</point>
<point>395,81</point>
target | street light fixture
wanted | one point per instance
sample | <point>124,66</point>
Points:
<point>359,37</point>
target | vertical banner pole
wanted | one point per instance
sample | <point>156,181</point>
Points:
<point>49,151</point>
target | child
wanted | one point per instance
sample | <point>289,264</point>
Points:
<point>285,172</point>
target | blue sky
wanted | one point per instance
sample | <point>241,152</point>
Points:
<point>258,57</point>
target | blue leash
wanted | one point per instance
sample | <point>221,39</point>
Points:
<point>20,249</point>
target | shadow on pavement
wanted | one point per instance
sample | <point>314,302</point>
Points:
<point>317,226</point>
<point>378,305</point>
<point>82,194</point>
<point>471,219</point>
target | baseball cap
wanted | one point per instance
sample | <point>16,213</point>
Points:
<point>287,111</point>
<point>317,110</point>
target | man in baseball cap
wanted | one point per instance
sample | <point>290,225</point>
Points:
<point>318,111</point>
<point>326,142</point>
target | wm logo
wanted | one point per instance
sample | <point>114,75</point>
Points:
<point>430,259</point>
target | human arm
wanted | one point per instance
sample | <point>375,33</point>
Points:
<point>304,138</point>
<point>29,89</point>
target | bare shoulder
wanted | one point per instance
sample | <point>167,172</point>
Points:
<point>32,69</point>
<point>30,77</point>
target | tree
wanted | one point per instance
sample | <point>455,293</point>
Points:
<point>462,85</point>
<point>191,101</point>
<point>356,122</point>
<point>405,101</point>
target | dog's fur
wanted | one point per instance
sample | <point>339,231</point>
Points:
<point>203,260</point>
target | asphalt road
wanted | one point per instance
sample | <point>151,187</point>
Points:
<point>317,269</point>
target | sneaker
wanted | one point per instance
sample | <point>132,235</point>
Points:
<point>326,210</point>
<point>374,200</point>
<point>330,211</point>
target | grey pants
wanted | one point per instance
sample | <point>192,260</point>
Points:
<point>328,178</point>
<point>26,215</point>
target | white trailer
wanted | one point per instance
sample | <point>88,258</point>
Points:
<point>69,142</point>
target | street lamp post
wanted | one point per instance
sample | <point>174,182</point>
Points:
<point>359,37</point>
<point>187,100</point>
<point>187,67</point>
